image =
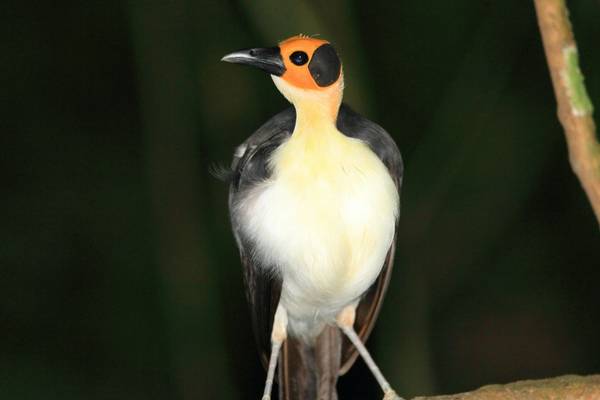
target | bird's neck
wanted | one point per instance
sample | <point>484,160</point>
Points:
<point>315,117</point>
<point>316,110</point>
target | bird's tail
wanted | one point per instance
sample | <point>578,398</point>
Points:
<point>310,372</point>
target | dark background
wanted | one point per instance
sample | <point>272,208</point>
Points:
<point>119,277</point>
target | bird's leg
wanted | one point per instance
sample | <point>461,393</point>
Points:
<point>345,321</point>
<point>278,335</point>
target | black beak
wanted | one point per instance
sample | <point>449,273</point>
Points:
<point>267,59</point>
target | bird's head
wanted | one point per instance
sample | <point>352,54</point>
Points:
<point>304,69</point>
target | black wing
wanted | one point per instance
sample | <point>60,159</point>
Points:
<point>250,165</point>
<point>354,125</point>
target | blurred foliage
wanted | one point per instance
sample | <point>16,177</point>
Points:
<point>120,278</point>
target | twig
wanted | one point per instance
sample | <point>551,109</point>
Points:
<point>570,387</point>
<point>574,106</point>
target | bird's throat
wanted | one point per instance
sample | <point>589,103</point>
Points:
<point>315,118</point>
<point>316,110</point>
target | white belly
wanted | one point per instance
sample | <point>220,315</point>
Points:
<point>325,227</point>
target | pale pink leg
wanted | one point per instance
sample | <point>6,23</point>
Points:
<point>345,321</point>
<point>278,335</point>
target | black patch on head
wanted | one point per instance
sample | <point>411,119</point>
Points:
<point>325,65</point>
<point>299,57</point>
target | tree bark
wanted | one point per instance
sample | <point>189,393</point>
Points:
<point>568,387</point>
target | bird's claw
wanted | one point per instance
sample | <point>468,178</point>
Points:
<point>391,395</point>
<point>266,397</point>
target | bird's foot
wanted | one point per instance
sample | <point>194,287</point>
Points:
<point>391,395</point>
<point>266,397</point>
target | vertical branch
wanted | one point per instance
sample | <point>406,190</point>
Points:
<point>574,106</point>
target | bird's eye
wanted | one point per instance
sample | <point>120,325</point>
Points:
<point>299,58</point>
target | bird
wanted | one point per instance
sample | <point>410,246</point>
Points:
<point>314,203</point>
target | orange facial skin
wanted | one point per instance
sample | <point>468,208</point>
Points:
<point>299,75</point>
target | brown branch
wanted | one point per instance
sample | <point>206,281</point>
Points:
<point>569,387</point>
<point>574,105</point>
